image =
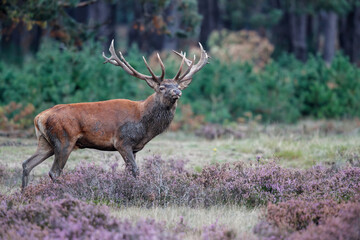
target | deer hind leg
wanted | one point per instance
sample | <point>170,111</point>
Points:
<point>62,153</point>
<point>43,151</point>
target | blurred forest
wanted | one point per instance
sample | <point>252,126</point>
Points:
<point>295,58</point>
<point>301,27</point>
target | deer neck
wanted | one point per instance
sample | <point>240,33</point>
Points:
<point>157,114</point>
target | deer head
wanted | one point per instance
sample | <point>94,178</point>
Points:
<point>167,90</point>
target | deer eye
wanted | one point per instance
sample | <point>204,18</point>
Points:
<point>162,88</point>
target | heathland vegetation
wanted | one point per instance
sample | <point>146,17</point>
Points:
<point>220,189</point>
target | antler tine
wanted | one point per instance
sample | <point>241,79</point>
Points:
<point>134,72</point>
<point>187,61</point>
<point>109,60</point>
<point>113,53</point>
<point>181,66</point>
<point>202,62</point>
<point>151,72</point>
<point>188,70</point>
<point>194,68</point>
<point>113,59</point>
<point>162,68</point>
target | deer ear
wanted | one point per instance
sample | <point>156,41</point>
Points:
<point>184,84</point>
<point>153,84</point>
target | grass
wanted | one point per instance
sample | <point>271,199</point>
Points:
<point>240,219</point>
<point>290,148</point>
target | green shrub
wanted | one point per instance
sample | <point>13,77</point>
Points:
<point>65,76</point>
<point>283,91</point>
<point>328,91</point>
<point>224,92</point>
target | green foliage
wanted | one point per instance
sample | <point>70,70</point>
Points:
<point>283,91</point>
<point>190,19</point>
<point>328,91</point>
<point>65,76</point>
<point>160,16</point>
<point>250,13</point>
<point>266,14</point>
<point>34,12</point>
<point>341,7</point>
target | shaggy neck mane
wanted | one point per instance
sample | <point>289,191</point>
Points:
<point>158,116</point>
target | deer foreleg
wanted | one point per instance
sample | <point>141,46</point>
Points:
<point>129,158</point>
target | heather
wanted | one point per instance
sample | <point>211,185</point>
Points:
<point>72,219</point>
<point>69,218</point>
<point>169,182</point>
<point>217,232</point>
<point>299,219</point>
<point>344,225</point>
<point>2,172</point>
<point>226,188</point>
<point>9,178</point>
<point>315,203</point>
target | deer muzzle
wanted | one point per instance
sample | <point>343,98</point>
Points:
<point>176,93</point>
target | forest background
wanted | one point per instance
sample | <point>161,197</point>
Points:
<point>272,61</point>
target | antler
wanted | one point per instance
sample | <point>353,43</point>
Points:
<point>192,68</point>
<point>115,60</point>
<point>186,76</point>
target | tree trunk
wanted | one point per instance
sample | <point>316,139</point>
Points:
<point>330,28</point>
<point>356,43</point>
<point>209,9</point>
<point>280,34</point>
<point>349,37</point>
<point>19,42</point>
<point>134,33</point>
<point>171,42</point>
<point>147,40</point>
<point>313,33</point>
<point>101,15</point>
<point>346,34</point>
<point>298,24</point>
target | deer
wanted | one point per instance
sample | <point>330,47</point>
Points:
<point>114,125</point>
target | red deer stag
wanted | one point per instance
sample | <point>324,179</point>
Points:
<point>115,125</point>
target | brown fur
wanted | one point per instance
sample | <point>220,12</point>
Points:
<point>93,123</point>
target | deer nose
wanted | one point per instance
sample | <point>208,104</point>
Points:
<point>176,93</point>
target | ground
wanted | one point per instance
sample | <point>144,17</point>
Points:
<point>283,144</point>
